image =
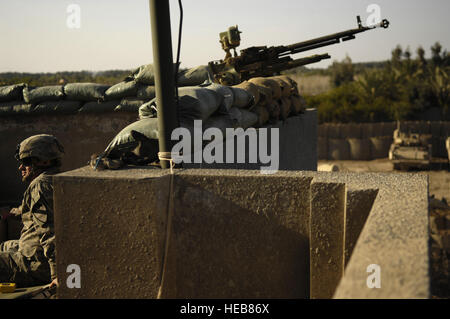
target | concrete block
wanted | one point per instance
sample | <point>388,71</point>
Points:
<point>395,237</point>
<point>358,205</point>
<point>111,224</point>
<point>240,234</point>
<point>297,146</point>
<point>326,238</point>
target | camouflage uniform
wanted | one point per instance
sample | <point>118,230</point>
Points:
<point>30,260</point>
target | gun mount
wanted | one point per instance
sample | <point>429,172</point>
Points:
<point>267,61</point>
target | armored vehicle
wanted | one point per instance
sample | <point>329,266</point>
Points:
<point>410,150</point>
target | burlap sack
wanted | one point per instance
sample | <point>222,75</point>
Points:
<point>274,109</point>
<point>270,83</point>
<point>286,87</point>
<point>99,107</point>
<point>242,100</point>
<point>298,104</point>
<point>285,108</point>
<point>263,114</point>
<point>294,85</point>
<point>58,107</point>
<point>121,90</point>
<point>43,93</point>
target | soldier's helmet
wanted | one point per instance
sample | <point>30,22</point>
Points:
<point>43,146</point>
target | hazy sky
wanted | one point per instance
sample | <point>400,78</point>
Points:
<point>114,34</point>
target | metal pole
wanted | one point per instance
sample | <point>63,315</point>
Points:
<point>164,73</point>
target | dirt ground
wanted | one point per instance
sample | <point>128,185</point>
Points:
<point>439,210</point>
<point>439,178</point>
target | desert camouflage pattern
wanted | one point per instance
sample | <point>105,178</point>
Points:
<point>43,146</point>
<point>30,261</point>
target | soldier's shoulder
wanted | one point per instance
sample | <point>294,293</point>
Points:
<point>42,183</point>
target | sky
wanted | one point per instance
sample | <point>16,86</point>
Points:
<point>42,35</point>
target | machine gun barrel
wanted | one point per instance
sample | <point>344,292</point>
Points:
<point>259,61</point>
<point>330,39</point>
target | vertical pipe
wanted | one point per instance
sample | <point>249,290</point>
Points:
<point>164,73</point>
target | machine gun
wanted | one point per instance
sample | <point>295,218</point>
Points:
<point>262,61</point>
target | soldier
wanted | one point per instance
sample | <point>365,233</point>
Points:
<point>30,261</point>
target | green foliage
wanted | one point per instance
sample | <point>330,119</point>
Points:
<point>342,72</point>
<point>42,79</point>
<point>401,89</point>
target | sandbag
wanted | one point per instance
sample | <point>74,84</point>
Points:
<point>6,108</point>
<point>338,149</point>
<point>270,84</point>
<point>43,93</point>
<point>145,74</point>
<point>322,148</point>
<point>85,91</point>
<point>129,105</point>
<point>298,104</point>
<point>15,108</point>
<point>148,109</point>
<point>243,117</point>
<point>285,108</point>
<point>379,146</point>
<point>274,110</point>
<point>11,92</point>
<point>146,92</point>
<point>294,85</point>
<point>195,76</point>
<point>121,90</point>
<point>197,103</point>
<point>190,77</point>
<point>359,149</point>
<point>23,108</point>
<point>285,86</point>
<point>262,113</point>
<point>57,107</point>
<point>226,92</point>
<point>99,107</point>
<point>243,100</point>
<point>265,94</point>
<point>222,122</point>
<point>125,142</point>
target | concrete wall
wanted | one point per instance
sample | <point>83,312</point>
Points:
<point>81,135</point>
<point>297,146</point>
<point>240,234</point>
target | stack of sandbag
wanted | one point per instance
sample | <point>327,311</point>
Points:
<point>145,75</point>
<point>72,98</point>
<point>271,99</point>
